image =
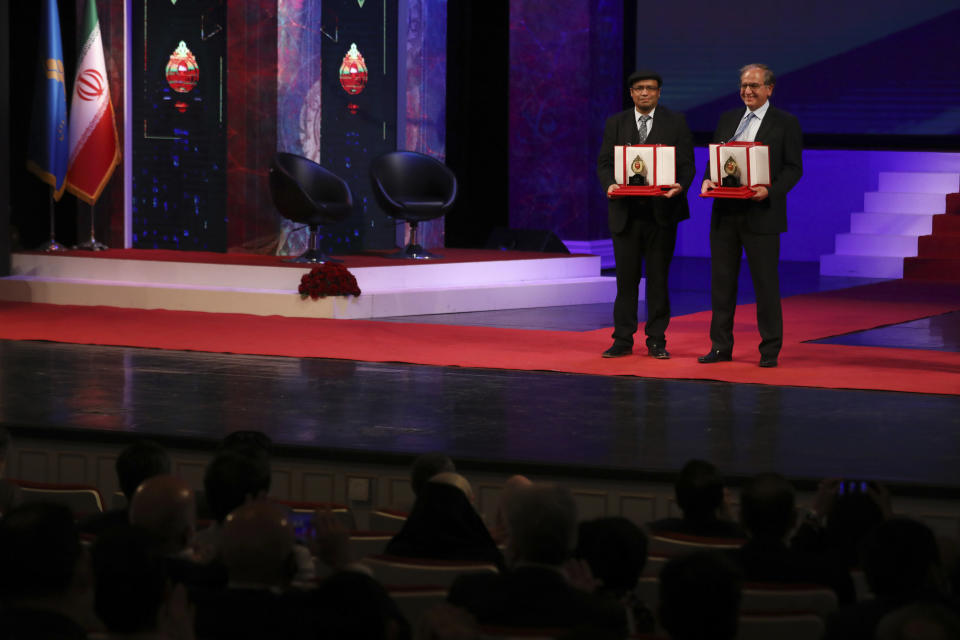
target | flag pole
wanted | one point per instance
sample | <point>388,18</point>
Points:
<point>52,244</point>
<point>92,244</point>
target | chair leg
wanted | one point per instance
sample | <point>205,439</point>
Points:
<point>413,250</point>
<point>313,254</point>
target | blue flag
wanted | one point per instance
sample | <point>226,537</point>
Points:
<point>49,140</point>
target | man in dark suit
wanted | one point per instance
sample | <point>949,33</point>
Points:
<point>753,225</point>
<point>644,228</point>
<point>535,592</point>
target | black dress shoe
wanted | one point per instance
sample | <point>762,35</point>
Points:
<point>660,353</point>
<point>768,363</point>
<point>715,356</point>
<point>618,351</point>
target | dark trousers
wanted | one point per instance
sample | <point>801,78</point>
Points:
<point>729,238</point>
<point>643,241</point>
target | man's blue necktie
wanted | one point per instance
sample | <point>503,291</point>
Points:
<point>743,125</point>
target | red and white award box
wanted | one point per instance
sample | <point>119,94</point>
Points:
<point>737,166</point>
<point>644,169</point>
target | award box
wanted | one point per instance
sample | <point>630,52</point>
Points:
<point>657,164</point>
<point>737,166</point>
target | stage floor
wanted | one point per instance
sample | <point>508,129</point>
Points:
<point>514,421</point>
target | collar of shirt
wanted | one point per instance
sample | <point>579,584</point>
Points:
<point>637,114</point>
<point>750,134</point>
<point>762,111</point>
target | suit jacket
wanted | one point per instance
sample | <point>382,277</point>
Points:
<point>781,132</point>
<point>668,128</point>
<point>534,597</point>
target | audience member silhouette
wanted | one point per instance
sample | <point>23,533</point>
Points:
<point>768,513</point>
<point>840,518</point>
<point>257,549</point>
<point>428,465</point>
<point>701,496</point>
<point>9,492</point>
<point>234,476</point>
<point>132,596</point>
<point>499,530</point>
<point>902,565</point>
<point>616,551</point>
<point>921,621</point>
<point>137,462</point>
<point>45,578</point>
<point>700,597</point>
<point>353,606</point>
<point>534,592</point>
<point>444,525</point>
<point>164,507</point>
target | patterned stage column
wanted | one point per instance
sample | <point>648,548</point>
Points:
<point>566,76</point>
<point>423,126</point>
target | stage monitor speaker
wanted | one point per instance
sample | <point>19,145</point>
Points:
<point>525,240</point>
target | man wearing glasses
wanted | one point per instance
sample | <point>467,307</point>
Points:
<point>752,225</point>
<point>644,228</point>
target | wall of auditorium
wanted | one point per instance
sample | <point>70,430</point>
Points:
<point>39,459</point>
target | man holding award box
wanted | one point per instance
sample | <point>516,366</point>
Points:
<point>655,144</point>
<point>753,223</point>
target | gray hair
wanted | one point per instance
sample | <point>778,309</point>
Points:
<point>769,77</point>
<point>542,521</point>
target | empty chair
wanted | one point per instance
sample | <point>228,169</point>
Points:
<point>784,626</point>
<point>675,544</point>
<point>83,500</point>
<point>776,597</point>
<point>382,519</point>
<point>368,543</point>
<point>414,601</point>
<point>341,512</point>
<point>395,571</point>
<point>412,187</point>
<point>305,192</point>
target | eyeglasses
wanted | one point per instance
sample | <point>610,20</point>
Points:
<point>752,85</point>
<point>645,87</point>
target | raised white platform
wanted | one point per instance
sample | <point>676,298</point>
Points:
<point>401,290</point>
<point>888,228</point>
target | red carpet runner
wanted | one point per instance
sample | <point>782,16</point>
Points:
<point>807,317</point>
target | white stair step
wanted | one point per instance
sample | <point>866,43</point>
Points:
<point>872,244</point>
<point>901,224</point>
<point>861,266</point>
<point>903,202</point>
<point>919,182</point>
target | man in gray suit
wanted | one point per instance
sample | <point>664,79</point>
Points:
<point>644,228</point>
<point>753,225</point>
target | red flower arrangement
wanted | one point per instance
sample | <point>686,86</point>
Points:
<point>329,279</point>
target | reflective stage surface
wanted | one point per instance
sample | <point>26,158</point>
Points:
<point>513,421</point>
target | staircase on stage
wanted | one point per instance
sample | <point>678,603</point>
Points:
<point>463,280</point>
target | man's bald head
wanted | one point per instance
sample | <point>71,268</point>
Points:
<point>165,507</point>
<point>257,544</point>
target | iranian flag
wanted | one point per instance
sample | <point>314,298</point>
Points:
<point>94,145</point>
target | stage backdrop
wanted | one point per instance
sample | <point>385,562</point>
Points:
<point>179,103</point>
<point>865,67</point>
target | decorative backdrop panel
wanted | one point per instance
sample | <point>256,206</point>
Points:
<point>566,76</point>
<point>180,110</point>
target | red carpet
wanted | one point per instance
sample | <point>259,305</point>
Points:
<point>807,317</point>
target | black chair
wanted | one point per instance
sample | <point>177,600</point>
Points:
<point>414,188</point>
<point>305,192</point>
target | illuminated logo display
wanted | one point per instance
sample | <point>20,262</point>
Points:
<point>353,71</point>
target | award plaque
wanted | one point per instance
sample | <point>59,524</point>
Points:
<point>643,169</point>
<point>736,167</point>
